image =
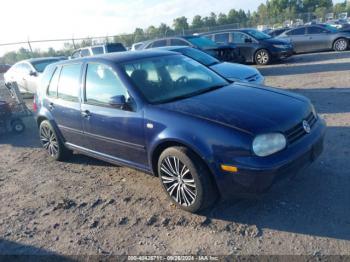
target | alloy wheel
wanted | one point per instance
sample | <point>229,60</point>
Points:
<point>340,45</point>
<point>262,57</point>
<point>49,140</point>
<point>178,181</point>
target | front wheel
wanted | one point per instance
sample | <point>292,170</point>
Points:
<point>262,57</point>
<point>52,143</point>
<point>186,179</point>
<point>340,44</point>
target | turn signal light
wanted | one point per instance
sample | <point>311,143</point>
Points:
<point>232,169</point>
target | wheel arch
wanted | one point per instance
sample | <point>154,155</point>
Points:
<point>340,37</point>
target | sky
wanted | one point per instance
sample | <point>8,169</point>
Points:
<point>50,19</point>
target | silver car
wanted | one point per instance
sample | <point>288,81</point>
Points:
<point>27,73</point>
<point>313,38</point>
<point>230,71</point>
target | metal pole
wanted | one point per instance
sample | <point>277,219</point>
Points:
<point>30,46</point>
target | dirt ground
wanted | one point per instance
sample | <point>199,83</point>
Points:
<point>90,207</point>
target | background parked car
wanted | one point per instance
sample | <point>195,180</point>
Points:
<point>27,73</point>
<point>278,31</point>
<point>137,46</point>
<point>98,50</point>
<point>255,46</point>
<point>230,71</point>
<point>4,68</point>
<point>221,52</point>
<point>313,38</point>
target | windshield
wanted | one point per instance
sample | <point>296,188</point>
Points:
<point>201,41</point>
<point>168,78</point>
<point>257,34</point>
<point>199,56</point>
<point>41,65</point>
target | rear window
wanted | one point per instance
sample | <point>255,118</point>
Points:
<point>68,85</point>
<point>115,48</point>
<point>52,90</point>
<point>178,42</point>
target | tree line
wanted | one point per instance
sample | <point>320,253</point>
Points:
<point>273,13</point>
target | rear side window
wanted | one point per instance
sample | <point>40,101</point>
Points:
<point>68,84</point>
<point>102,83</point>
<point>85,52</point>
<point>178,42</point>
<point>52,90</point>
<point>222,38</point>
<point>298,31</point>
<point>159,43</point>
<point>97,50</point>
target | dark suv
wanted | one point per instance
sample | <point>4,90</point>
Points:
<point>255,46</point>
<point>226,53</point>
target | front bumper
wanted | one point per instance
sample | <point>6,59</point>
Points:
<point>282,53</point>
<point>257,174</point>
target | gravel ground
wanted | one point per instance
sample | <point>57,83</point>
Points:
<point>86,206</point>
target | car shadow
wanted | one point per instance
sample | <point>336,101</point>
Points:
<point>318,57</point>
<point>281,70</point>
<point>14,251</point>
<point>315,202</point>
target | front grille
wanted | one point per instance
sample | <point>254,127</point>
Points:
<point>252,78</point>
<point>297,132</point>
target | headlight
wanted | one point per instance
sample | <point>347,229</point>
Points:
<point>268,144</point>
<point>281,46</point>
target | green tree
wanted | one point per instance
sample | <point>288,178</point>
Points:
<point>180,24</point>
<point>197,22</point>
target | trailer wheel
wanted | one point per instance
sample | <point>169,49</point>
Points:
<point>18,126</point>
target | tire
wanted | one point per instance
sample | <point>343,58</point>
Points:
<point>262,57</point>
<point>340,45</point>
<point>186,180</point>
<point>52,143</point>
<point>17,126</point>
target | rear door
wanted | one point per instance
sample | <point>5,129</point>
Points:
<point>114,132</point>
<point>64,102</point>
<point>245,44</point>
<point>318,38</point>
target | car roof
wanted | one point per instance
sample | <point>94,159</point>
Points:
<point>173,48</point>
<point>120,57</point>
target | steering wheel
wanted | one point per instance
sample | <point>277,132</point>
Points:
<point>182,80</point>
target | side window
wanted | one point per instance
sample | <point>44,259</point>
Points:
<point>221,38</point>
<point>68,84</point>
<point>159,43</point>
<point>85,52</point>
<point>102,83</point>
<point>178,42</point>
<point>239,38</point>
<point>298,31</point>
<point>316,30</point>
<point>52,89</point>
<point>97,50</point>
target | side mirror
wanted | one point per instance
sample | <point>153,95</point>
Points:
<point>248,40</point>
<point>33,73</point>
<point>117,101</point>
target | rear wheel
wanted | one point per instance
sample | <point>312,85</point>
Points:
<point>340,44</point>
<point>186,179</point>
<point>262,57</point>
<point>52,143</point>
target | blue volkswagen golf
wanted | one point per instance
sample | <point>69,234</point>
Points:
<point>168,115</point>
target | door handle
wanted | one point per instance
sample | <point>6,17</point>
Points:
<point>85,113</point>
<point>51,106</point>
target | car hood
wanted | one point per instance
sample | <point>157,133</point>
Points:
<point>234,71</point>
<point>249,108</point>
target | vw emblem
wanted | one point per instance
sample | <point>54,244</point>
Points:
<point>306,126</point>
